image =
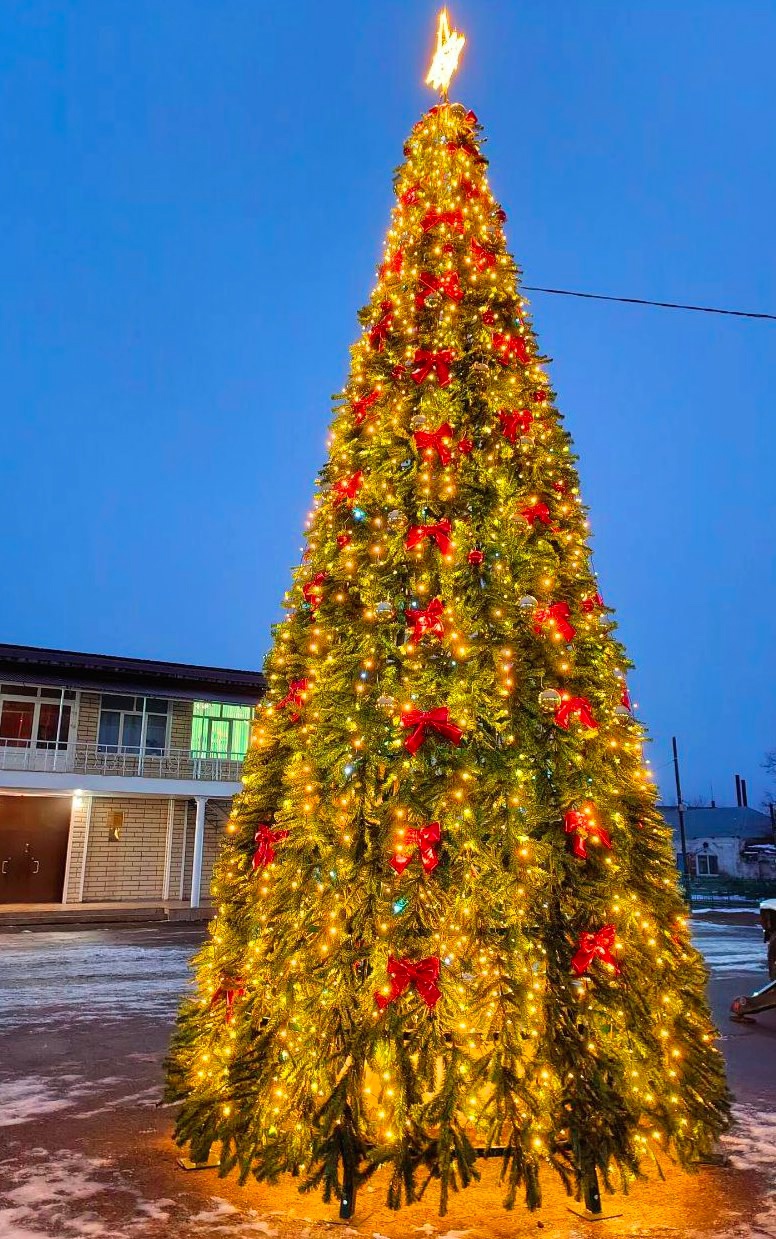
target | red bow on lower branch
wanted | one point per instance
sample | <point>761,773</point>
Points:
<point>434,217</point>
<point>439,533</point>
<point>361,406</point>
<point>424,721</point>
<point>625,697</point>
<point>295,697</point>
<point>483,258</point>
<point>575,707</point>
<point>428,622</point>
<point>424,838</point>
<point>557,614</point>
<point>510,348</point>
<point>581,824</point>
<point>440,362</point>
<point>430,441</point>
<point>346,489</point>
<point>265,838</point>
<point>402,973</point>
<point>534,512</point>
<point>229,991</point>
<point>379,332</point>
<point>596,945</point>
<point>514,420</point>
<point>312,591</point>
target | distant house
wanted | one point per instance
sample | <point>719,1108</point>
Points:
<point>116,775</point>
<point>725,843</point>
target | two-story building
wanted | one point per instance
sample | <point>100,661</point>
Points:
<point>116,775</point>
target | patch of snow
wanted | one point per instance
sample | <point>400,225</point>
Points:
<point>27,1098</point>
<point>731,948</point>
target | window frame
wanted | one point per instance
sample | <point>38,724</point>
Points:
<point>208,719</point>
<point>141,749</point>
<point>65,703</point>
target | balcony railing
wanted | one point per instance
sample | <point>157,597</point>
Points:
<point>93,758</point>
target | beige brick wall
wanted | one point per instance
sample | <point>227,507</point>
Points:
<point>133,866</point>
<point>88,718</point>
<point>180,726</point>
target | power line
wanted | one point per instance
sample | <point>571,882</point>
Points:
<point>664,305</point>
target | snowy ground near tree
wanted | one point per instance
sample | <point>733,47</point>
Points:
<point>86,1150</point>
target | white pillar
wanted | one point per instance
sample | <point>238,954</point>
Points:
<point>199,843</point>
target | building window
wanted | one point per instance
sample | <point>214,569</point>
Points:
<point>707,865</point>
<point>133,725</point>
<point>220,730</point>
<point>34,717</point>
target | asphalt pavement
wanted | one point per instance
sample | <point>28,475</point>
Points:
<point>85,1016</point>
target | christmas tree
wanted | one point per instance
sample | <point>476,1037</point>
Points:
<point>448,915</point>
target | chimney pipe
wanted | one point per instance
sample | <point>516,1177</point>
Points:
<point>744,801</point>
<point>738,790</point>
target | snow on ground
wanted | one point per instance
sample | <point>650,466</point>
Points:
<point>731,948</point>
<point>76,982</point>
<point>750,1146</point>
<point>23,1098</point>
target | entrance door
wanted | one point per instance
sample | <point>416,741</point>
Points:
<point>33,848</point>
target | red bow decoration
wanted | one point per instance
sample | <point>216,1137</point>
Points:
<point>379,332</point>
<point>440,533</point>
<point>483,257</point>
<point>625,697</point>
<point>536,512</point>
<point>447,283</point>
<point>392,265</point>
<point>513,420</point>
<point>363,404</point>
<point>428,622</point>
<point>510,348</point>
<point>594,603</point>
<point>582,825</point>
<point>402,973</point>
<point>465,147</point>
<point>423,721</point>
<point>424,839</point>
<point>312,590</point>
<point>430,441</point>
<point>410,196</point>
<point>294,697</point>
<point>426,361</point>
<point>470,119</point>
<point>558,613</point>
<point>434,217</point>
<point>575,707</point>
<point>466,446</point>
<point>229,991</point>
<point>598,945</point>
<point>348,488</point>
<point>265,838</point>
<point>470,189</point>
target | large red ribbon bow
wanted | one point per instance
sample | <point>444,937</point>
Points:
<point>392,265</point>
<point>596,945</point>
<point>471,191</point>
<point>534,512</point>
<point>312,590</point>
<point>410,196</point>
<point>402,973</point>
<point>483,258</point>
<point>424,721</point>
<point>513,420</point>
<point>434,217</point>
<point>447,283</point>
<point>428,622</point>
<point>379,332</point>
<point>440,362</point>
<point>430,441</point>
<point>347,488</point>
<point>558,613</point>
<point>593,603</point>
<point>294,697</point>
<point>575,707</point>
<point>229,991</point>
<point>361,406</point>
<point>581,824</point>
<point>425,839</point>
<point>265,838</point>
<point>439,533</point>
<point>510,348</point>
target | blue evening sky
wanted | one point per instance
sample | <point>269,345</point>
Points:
<point>194,196</point>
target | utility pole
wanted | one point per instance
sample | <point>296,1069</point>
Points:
<point>682,835</point>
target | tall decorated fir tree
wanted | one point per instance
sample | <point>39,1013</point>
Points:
<point>448,918</point>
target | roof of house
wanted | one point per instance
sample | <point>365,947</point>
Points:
<point>27,664</point>
<point>730,823</point>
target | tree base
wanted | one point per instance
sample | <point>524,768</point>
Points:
<point>186,1163</point>
<point>587,1216</point>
